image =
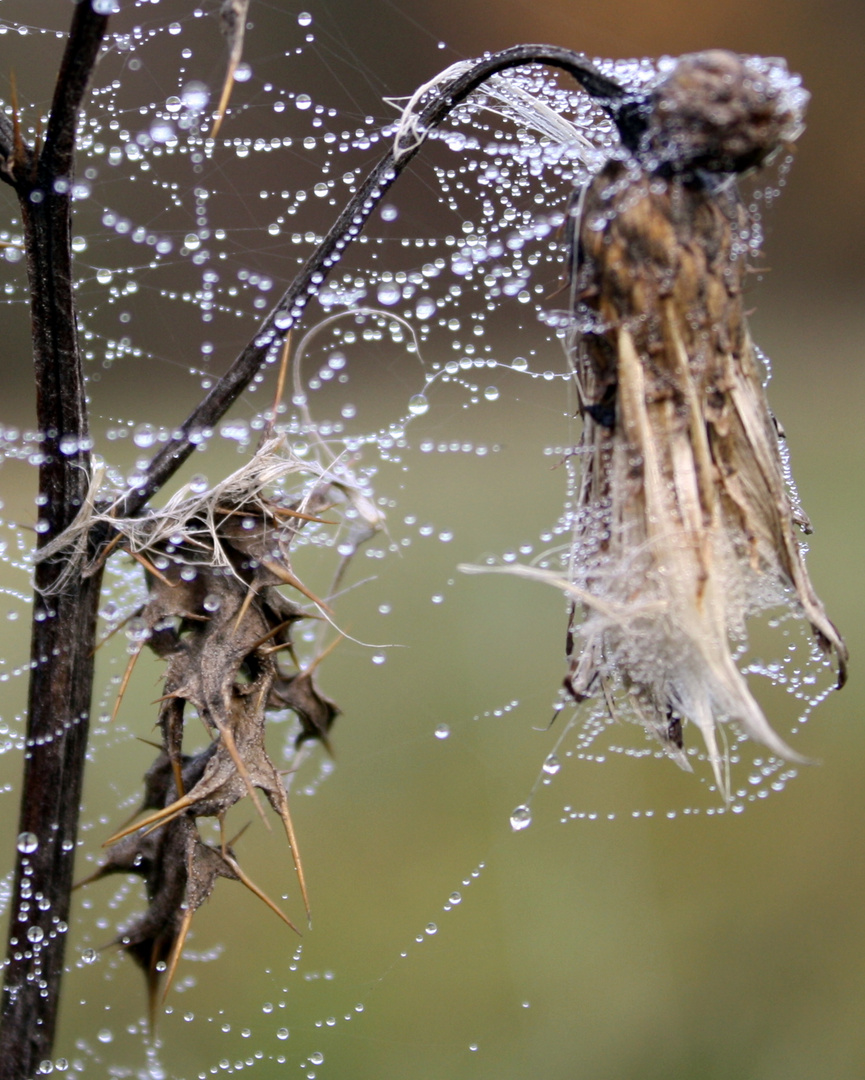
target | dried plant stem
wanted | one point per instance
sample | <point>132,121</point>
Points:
<point>64,627</point>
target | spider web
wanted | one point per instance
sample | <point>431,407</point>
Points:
<point>437,369</point>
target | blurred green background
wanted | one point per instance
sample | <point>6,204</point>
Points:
<point>693,947</point>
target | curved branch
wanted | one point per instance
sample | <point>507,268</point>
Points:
<point>347,227</point>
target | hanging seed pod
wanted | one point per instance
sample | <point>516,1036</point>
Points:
<point>685,520</point>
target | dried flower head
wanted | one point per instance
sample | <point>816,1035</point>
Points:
<point>685,520</point>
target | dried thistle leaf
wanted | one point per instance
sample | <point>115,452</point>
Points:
<point>315,711</point>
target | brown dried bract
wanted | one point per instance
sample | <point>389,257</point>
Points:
<point>216,617</point>
<point>685,522</point>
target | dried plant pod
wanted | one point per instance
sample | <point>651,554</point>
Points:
<point>683,503</point>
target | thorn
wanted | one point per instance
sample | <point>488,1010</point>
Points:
<point>119,626</point>
<point>278,648</point>
<point>231,747</point>
<point>95,876</point>
<point>173,696</point>
<point>151,569</point>
<point>160,817</point>
<point>290,579</point>
<point>257,644</point>
<point>244,607</point>
<point>177,769</point>
<point>286,511</point>
<point>284,813</point>
<point>124,682</point>
<point>267,431</point>
<point>148,742</point>
<point>234,838</point>
<point>176,950</point>
<point>253,888</point>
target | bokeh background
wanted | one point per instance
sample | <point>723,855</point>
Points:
<point>691,947</point>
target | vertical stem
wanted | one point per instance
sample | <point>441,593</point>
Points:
<point>64,625</point>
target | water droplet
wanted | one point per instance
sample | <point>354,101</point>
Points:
<point>195,96</point>
<point>161,131</point>
<point>242,73</point>
<point>104,277</point>
<point>418,404</point>
<point>89,956</point>
<point>303,101</point>
<point>431,929</point>
<point>304,18</point>
<point>212,602</point>
<point>491,393</point>
<point>238,430</point>
<point>137,631</point>
<point>455,898</point>
<point>27,842</point>
<point>378,658</point>
<point>425,308</point>
<point>35,934</point>
<point>552,765</point>
<point>389,294</point>
<point>521,818</point>
<point>282,1033</point>
<point>105,1036</point>
<point>316,1058</point>
<point>144,435</point>
<point>192,241</point>
<point>442,731</point>
<point>519,363</point>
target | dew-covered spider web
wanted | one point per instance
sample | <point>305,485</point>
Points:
<point>430,378</point>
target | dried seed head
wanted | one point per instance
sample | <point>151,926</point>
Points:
<point>684,526</point>
<point>723,113</point>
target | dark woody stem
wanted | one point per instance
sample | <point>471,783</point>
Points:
<point>63,626</point>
